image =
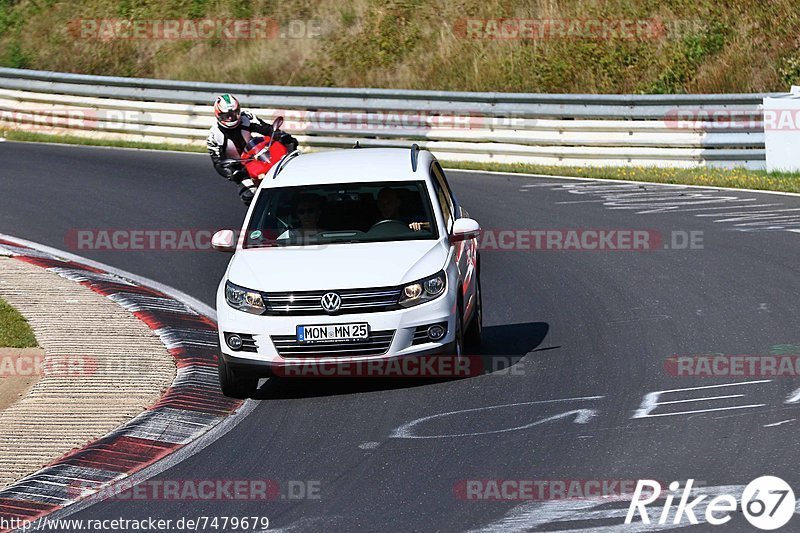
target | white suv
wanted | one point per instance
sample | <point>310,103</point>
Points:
<point>348,256</point>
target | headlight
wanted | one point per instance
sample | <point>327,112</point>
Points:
<point>244,299</point>
<point>423,290</point>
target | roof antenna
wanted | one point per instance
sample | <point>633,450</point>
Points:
<point>357,145</point>
<point>414,156</point>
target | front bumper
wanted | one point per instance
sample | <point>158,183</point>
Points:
<point>318,367</point>
<point>403,323</point>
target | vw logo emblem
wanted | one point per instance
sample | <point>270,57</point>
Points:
<point>331,302</point>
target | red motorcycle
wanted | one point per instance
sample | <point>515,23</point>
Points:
<point>259,156</point>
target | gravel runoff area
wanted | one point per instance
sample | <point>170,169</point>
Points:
<point>102,366</point>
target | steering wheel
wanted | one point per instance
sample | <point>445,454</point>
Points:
<point>387,222</point>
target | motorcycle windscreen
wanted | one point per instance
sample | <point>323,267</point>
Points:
<point>255,148</point>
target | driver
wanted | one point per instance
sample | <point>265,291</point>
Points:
<point>389,207</point>
<point>228,137</point>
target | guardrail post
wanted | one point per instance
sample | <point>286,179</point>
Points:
<point>782,131</point>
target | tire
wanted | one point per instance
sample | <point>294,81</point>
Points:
<point>472,336</point>
<point>232,385</point>
<point>458,341</point>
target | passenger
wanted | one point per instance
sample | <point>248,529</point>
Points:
<point>307,211</point>
<point>389,204</point>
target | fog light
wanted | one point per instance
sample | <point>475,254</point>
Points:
<point>436,332</point>
<point>234,341</point>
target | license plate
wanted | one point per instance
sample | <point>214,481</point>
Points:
<point>333,332</point>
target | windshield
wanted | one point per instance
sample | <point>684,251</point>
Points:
<point>341,213</point>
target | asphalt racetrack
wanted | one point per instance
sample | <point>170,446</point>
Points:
<point>588,332</point>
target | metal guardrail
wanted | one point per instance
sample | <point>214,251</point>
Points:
<point>566,129</point>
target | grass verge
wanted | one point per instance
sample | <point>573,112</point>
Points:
<point>29,136</point>
<point>739,178</point>
<point>14,329</point>
<point>608,46</point>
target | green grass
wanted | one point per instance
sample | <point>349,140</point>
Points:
<point>29,136</point>
<point>14,329</point>
<point>739,178</point>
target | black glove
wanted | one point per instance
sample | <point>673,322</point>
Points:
<point>288,141</point>
<point>229,171</point>
<point>246,194</point>
<point>239,175</point>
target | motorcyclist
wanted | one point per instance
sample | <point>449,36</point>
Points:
<point>229,136</point>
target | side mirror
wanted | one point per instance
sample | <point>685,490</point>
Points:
<point>224,241</point>
<point>463,229</point>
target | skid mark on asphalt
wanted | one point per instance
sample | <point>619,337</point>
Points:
<point>734,210</point>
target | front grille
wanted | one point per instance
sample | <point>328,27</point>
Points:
<point>377,344</point>
<point>353,301</point>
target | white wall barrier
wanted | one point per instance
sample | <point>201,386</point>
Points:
<point>782,131</point>
<point>571,129</point>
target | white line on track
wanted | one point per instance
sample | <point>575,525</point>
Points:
<point>708,410</point>
<point>779,423</point>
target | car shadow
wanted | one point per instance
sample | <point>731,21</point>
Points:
<point>501,347</point>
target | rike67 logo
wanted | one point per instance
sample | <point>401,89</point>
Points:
<point>767,502</point>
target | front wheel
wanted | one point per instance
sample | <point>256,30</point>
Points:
<point>246,194</point>
<point>458,342</point>
<point>232,385</point>
<point>472,337</point>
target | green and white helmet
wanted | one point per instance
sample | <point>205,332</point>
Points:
<point>227,110</point>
